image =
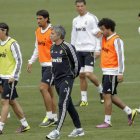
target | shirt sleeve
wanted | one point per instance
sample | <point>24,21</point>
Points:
<point>73,34</point>
<point>118,43</point>
<point>15,49</point>
<point>35,54</point>
<point>74,59</point>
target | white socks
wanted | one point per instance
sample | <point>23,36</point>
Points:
<point>100,89</point>
<point>49,114</point>
<point>55,117</point>
<point>84,96</point>
<point>127,110</point>
<point>24,122</point>
<point>1,125</point>
<point>108,119</point>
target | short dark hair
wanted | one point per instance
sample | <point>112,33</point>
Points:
<point>44,13</point>
<point>139,15</point>
<point>80,1</point>
<point>59,30</point>
<point>4,26</point>
<point>108,23</point>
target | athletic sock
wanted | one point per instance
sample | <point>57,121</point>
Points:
<point>1,125</point>
<point>84,96</point>
<point>24,122</point>
<point>127,110</point>
<point>100,89</point>
<point>108,119</point>
<point>55,117</point>
<point>49,114</point>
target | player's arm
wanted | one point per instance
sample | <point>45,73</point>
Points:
<point>74,59</point>
<point>118,43</point>
<point>73,34</point>
<point>33,58</point>
<point>139,30</point>
<point>15,49</point>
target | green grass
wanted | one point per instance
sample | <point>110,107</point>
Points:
<point>20,15</point>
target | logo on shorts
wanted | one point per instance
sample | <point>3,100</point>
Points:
<point>91,63</point>
<point>109,89</point>
<point>7,95</point>
<point>48,80</point>
<point>61,51</point>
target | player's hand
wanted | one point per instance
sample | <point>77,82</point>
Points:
<point>11,80</point>
<point>29,68</point>
<point>96,55</point>
<point>99,34</point>
<point>120,78</point>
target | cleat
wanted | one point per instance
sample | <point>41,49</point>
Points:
<point>77,132</point>
<point>132,116</point>
<point>23,129</point>
<point>55,123</point>
<point>103,125</point>
<point>7,116</point>
<point>138,110</point>
<point>101,98</point>
<point>0,132</point>
<point>47,122</point>
<point>82,103</point>
<point>53,135</point>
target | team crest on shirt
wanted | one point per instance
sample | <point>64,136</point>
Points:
<point>61,51</point>
<point>86,22</point>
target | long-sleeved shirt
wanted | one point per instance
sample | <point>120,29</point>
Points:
<point>65,62</point>
<point>83,31</point>
<point>15,49</point>
<point>118,44</point>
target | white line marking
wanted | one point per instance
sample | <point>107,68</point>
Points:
<point>78,84</point>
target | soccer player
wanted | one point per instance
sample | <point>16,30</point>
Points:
<point>112,63</point>
<point>65,69</point>
<point>42,50</point>
<point>10,66</point>
<point>86,45</point>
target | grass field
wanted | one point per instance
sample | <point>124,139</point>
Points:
<point>20,15</point>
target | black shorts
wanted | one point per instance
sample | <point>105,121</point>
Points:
<point>110,84</point>
<point>86,58</point>
<point>9,90</point>
<point>47,76</point>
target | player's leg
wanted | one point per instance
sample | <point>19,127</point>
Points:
<point>44,89</point>
<point>108,91</point>
<point>89,67</point>
<point>54,112</point>
<point>131,113</point>
<point>1,90</point>
<point>83,82</point>
<point>19,112</point>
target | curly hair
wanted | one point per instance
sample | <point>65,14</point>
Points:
<point>108,23</point>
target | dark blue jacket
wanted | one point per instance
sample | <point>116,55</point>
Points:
<point>64,60</point>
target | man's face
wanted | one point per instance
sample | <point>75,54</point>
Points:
<point>81,8</point>
<point>105,32</point>
<point>139,18</point>
<point>2,33</point>
<point>41,21</point>
<point>54,37</point>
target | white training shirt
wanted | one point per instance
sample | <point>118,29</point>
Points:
<point>82,36</point>
<point>15,49</point>
<point>118,43</point>
<point>36,53</point>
